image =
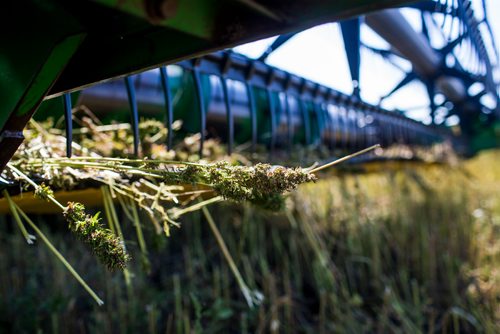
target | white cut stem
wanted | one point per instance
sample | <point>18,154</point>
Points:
<point>347,157</point>
<point>222,245</point>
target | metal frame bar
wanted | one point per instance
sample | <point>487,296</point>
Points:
<point>227,102</point>
<point>168,105</point>
<point>201,105</point>
<point>68,121</point>
<point>134,113</point>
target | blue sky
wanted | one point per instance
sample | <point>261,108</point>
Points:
<point>318,54</point>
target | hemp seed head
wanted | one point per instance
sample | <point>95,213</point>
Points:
<point>102,242</point>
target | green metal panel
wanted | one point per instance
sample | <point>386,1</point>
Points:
<point>48,73</point>
<point>130,36</point>
<point>38,40</point>
<point>193,17</point>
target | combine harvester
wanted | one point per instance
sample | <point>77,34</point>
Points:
<point>171,60</point>
<point>112,56</point>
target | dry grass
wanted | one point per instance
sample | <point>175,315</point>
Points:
<point>415,250</point>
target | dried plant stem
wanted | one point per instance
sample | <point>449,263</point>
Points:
<point>29,238</point>
<point>115,227</point>
<point>107,211</point>
<point>16,210</point>
<point>179,212</point>
<point>245,290</point>
<point>113,216</point>
<point>317,245</point>
<point>34,185</point>
<point>347,157</point>
<point>138,229</point>
<point>123,205</point>
<point>102,241</point>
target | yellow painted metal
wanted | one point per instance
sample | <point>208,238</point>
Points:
<point>90,197</point>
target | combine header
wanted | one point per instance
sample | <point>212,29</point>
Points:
<point>54,49</point>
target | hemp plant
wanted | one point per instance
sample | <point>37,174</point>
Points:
<point>17,213</point>
<point>262,184</point>
<point>102,242</point>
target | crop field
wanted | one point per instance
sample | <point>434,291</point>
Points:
<point>250,166</point>
<point>415,250</point>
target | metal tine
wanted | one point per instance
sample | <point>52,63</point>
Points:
<point>354,116</point>
<point>272,112</point>
<point>362,127</point>
<point>384,130</point>
<point>328,126</point>
<point>201,106</point>
<point>377,136</point>
<point>414,133</point>
<point>229,113</point>
<point>253,114</point>
<point>305,114</point>
<point>317,111</point>
<point>359,136</point>
<point>412,129</point>
<point>407,132</point>
<point>406,137</point>
<point>326,121</point>
<point>353,119</point>
<point>404,129</point>
<point>369,135</point>
<point>399,124</point>
<point>251,105</point>
<point>382,133</point>
<point>288,125</point>
<point>331,127</point>
<point>132,100</point>
<point>397,131</point>
<point>333,121</point>
<point>345,128</point>
<point>390,134</point>
<point>341,121</point>
<point>336,127</point>
<point>288,113</point>
<point>319,115</point>
<point>348,126</point>
<point>68,120</point>
<point>367,115</point>
<point>168,105</point>
<point>411,133</point>
<point>305,120</point>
